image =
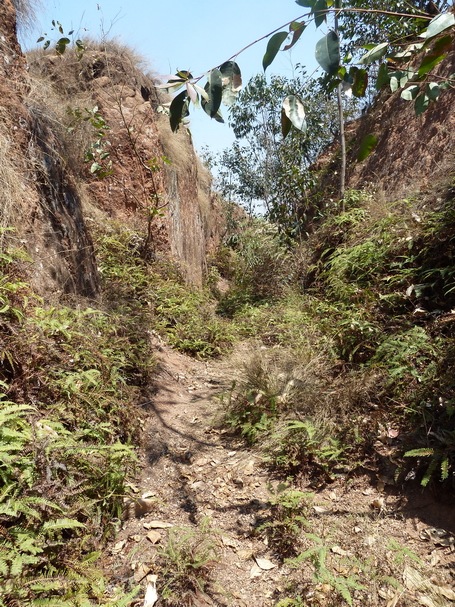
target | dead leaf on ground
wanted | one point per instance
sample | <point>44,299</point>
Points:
<point>378,504</point>
<point>265,564</point>
<point>140,571</point>
<point>340,551</point>
<point>322,509</point>
<point>413,580</point>
<point>443,589</point>
<point>427,601</point>
<point>157,525</point>
<point>151,596</point>
<point>255,571</point>
<point>396,596</point>
<point>154,536</point>
<point>244,554</point>
<point>357,529</point>
<point>118,547</point>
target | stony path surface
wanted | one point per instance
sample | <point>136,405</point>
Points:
<point>194,475</point>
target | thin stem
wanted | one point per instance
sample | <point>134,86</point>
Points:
<point>337,12</point>
<point>342,136</point>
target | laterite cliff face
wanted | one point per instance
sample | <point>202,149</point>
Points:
<point>39,197</point>
<point>47,189</point>
<point>412,153</point>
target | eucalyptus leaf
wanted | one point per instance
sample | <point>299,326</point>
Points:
<point>399,79</point>
<point>382,77</point>
<point>320,12</point>
<point>273,47</point>
<point>191,92</point>
<point>366,147</point>
<point>421,104</point>
<point>178,110</point>
<point>214,89</point>
<point>298,29</point>
<point>328,53</point>
<point>374,54</point>
<point>439,24</point>
<point>360,82</point>
<point>295,111</point>
<point>202,92</point>
<point>410,93</point>
<point>231,81</point>
<point>433,90</point>
<point>285,123</point>
<point>231,70</point>
<point>428,63</point>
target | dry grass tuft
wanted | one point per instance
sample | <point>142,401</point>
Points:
<point>71,76</point>
<point>26,13</point>
<point>13,190</point>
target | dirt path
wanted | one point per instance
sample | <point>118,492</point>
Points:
<point>196,476</point>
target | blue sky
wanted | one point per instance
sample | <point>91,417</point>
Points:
<point>183,35</point>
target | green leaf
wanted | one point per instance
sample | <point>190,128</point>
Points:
<point>231,81</point>
<point>308,3</point>
<point>421,104</point>
<point>399,79</point>
<point>214,88</point>
<point>192,94</point>
<point>298,29</point>
<point>424,452</point>
<point>360,82</point>
<point>429,62</point>
<point>439,24</point>
<point>374,54</point>
<point>410,93</point>
<point>201,91</point>
<point>61,45</point>
<point>366,147</point>
<point>328,53</point>
<point>320,12</point>
<point>46,44</point>
<point>285,123</point>
<point>61,523</point>
<point>383,76</point>
<point>177,110</point>
<point>433,90</point>
<point>294,110</point>
<point>273,47</point>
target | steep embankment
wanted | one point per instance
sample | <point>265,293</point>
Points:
<point>145,174</point>
<point>412,153</point>
<point>47,132</point>
<point>39,198</point>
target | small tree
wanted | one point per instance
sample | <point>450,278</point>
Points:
<point>263,167</point>
<point>413,63</point>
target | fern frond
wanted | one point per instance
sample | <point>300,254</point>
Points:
<point>429,471</point>
<point>424,452</point>
<point>445,469</point>
<point>61,523</point>
<point>13,411</point>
